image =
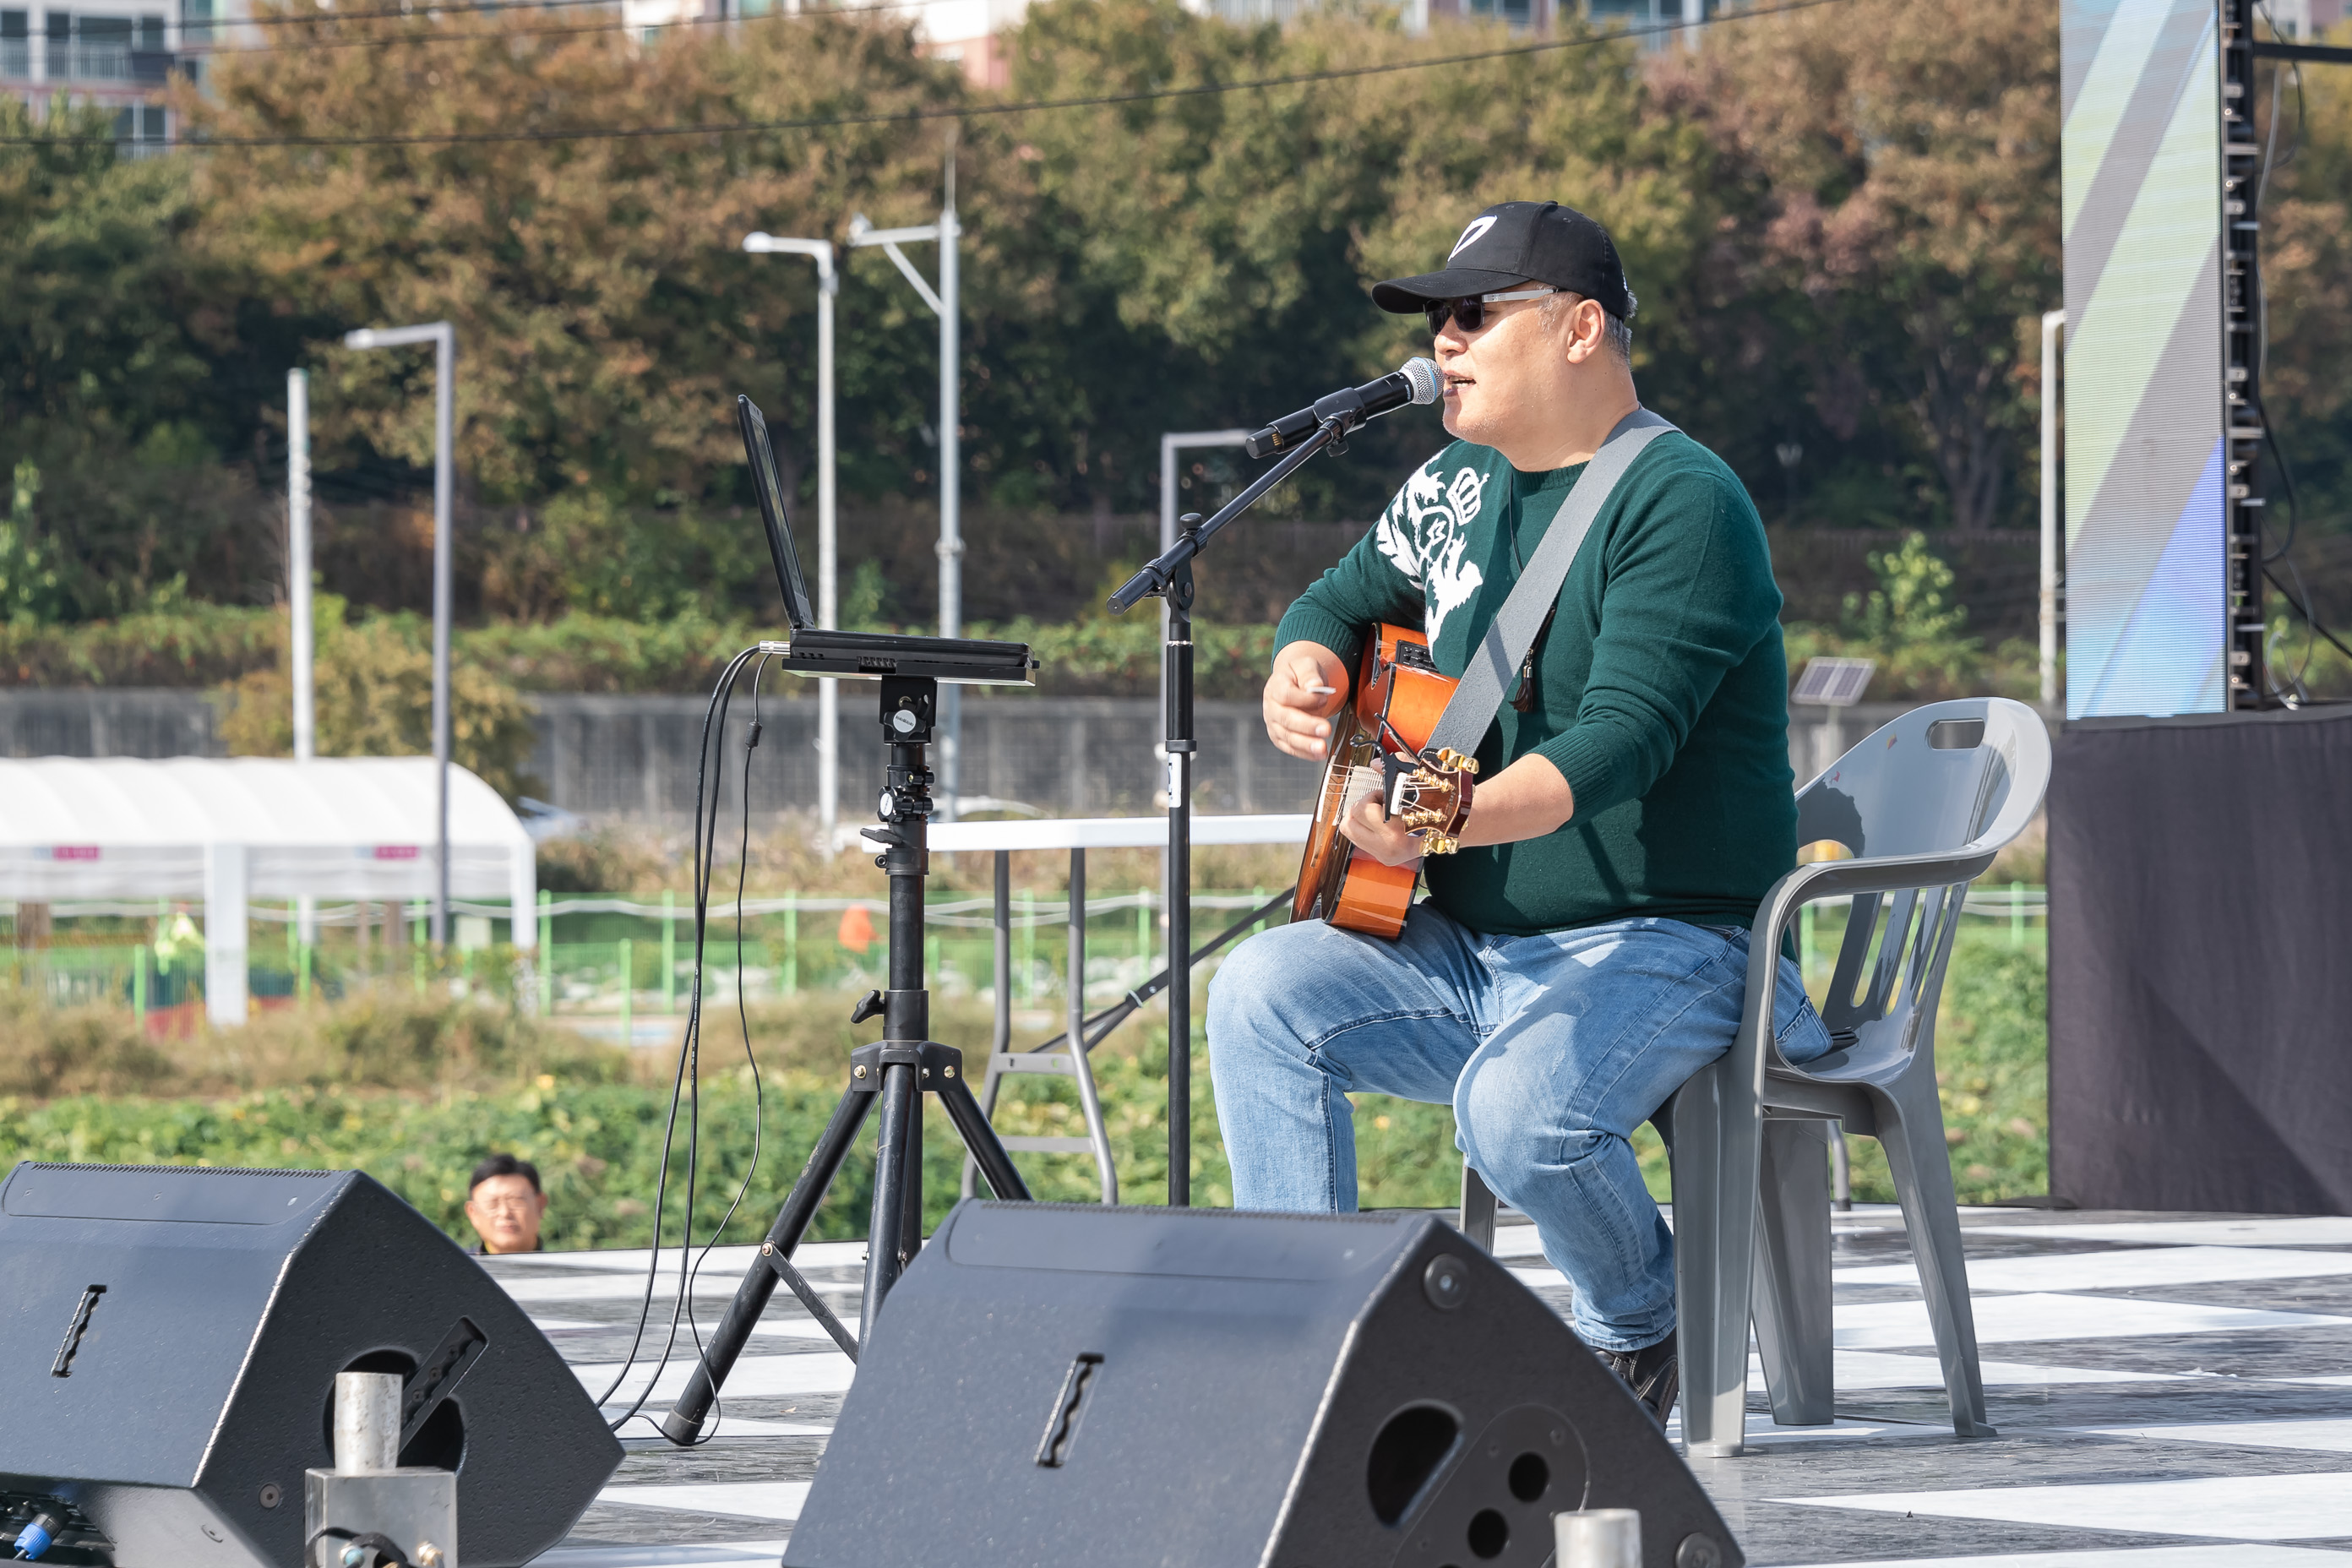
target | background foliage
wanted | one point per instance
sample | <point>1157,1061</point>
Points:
<point>1837,221</point>
<point>414,1090</point>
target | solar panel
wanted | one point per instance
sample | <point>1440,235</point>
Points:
<point>1833,682</point>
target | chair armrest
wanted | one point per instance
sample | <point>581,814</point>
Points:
<point>1840,879</point>
<point>1805,884</point>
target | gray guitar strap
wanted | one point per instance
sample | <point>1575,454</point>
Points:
<point>1476,700</point>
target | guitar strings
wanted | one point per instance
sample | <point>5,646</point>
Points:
<point>1363,783</point>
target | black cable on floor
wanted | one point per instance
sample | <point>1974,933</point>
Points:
<point>681,1089</point>
<point>743,1018</point>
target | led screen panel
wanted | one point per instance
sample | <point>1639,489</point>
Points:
<point>2146,573</point>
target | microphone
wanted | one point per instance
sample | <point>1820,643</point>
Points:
<point>1418,382</point>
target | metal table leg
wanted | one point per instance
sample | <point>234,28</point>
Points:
<point>1070,1062</point>
<point>1001,922</point>
<point>1084,1072</point>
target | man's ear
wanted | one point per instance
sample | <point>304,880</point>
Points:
<point>1580,347</point>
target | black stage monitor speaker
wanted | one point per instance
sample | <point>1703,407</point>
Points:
<point>169,1341</point>
<point>1190,1389</point>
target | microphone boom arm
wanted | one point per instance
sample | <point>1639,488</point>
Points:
<point>1158,575</point>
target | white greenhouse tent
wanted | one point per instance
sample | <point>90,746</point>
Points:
<point>227,830</point>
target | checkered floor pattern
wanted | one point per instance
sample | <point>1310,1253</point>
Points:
<point>2170,1391</point>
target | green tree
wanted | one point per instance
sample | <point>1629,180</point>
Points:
<point>1227,240</point>
<point>1902,165</point>
<point>88,327</point>
<point>606,312</point>
<point>106,381</point>
<point>1837,221</point>
<point>28,583</point>
<point>1911,622</point>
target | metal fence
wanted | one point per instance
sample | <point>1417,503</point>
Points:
<point>144,722</point>
<point>622,966</point>
<point>633,757</point>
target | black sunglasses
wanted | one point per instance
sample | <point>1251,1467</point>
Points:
<point>1469,312</point>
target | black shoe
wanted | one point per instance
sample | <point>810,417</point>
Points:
<point>1654,1374</point>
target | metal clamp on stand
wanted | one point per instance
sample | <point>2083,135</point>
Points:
<point>368,1511</point>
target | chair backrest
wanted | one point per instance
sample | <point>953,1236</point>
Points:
<point>1934,781</point>
<point>1945,778</point>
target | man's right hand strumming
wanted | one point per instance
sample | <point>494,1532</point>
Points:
<point>1308,687</point>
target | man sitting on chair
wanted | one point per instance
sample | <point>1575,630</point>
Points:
<point>1585,951</point>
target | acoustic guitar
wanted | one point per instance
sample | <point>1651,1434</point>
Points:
<point>1376,744</point>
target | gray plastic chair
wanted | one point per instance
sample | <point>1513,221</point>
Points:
<point>1923,805</point>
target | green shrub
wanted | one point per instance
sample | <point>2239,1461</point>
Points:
<point>374,694</point>
<point>382,1038</point>
<point>189,645</point>
<point>415,1092</point>
<point>1992,1066</point>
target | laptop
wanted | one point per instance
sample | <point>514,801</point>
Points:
<point>816,651</point>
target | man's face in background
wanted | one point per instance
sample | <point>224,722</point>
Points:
<point>505,1212</point>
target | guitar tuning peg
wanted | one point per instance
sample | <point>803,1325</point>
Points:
<point>1453,761</point>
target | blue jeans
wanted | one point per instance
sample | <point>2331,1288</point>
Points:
<point>1551,1049</point>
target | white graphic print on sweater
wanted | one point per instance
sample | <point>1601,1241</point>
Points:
<point>1423,535</point>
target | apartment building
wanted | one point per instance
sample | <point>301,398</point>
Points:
<point>964,31</point>
<point>117,54</point>
<point>968,32</point>
<point>120,53</point>
<point>2303,19</point>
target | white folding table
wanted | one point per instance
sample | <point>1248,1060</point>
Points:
<point>1078,835</point>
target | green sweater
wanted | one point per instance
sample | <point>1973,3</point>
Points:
<point>1661,687</point>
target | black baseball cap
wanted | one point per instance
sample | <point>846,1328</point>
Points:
<point>1520,242</point>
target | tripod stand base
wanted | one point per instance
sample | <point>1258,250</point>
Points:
<point>897,1074</point>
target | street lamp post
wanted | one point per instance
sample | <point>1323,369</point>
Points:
<point>828,691</point>
<point>2053,323</point>
<point>297,596</point>
<point>297,556</point>
<point>943,304</point>
<point>444,339</point>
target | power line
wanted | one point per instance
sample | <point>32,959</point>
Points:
<point>393,40</point>
<point>395,13</point>
<point>955,111</point>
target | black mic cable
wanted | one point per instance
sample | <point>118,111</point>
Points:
<point>686,1088</point>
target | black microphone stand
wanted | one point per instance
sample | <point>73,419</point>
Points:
<point>1169,577</point>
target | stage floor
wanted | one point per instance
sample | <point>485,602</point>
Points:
<point>2172,1391</point>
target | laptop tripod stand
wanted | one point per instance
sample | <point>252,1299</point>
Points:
<point>906,1064</point>
<point>896,1071</point>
